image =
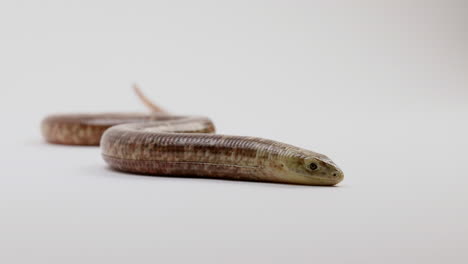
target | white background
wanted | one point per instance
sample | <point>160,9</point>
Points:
<point>379,86</point>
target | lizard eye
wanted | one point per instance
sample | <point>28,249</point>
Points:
<point>313,166</point>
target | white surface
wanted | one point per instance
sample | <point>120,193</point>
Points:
<point>380,88</point>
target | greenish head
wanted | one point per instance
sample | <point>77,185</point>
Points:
<point>308,167</point>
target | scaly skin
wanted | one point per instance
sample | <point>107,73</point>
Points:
<point>87,129</point>
<point>163,144</point>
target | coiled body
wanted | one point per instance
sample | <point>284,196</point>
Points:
<point>161,144</point>
<point>171,145</point>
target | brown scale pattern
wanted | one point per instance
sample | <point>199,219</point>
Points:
<point>162,144</point>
